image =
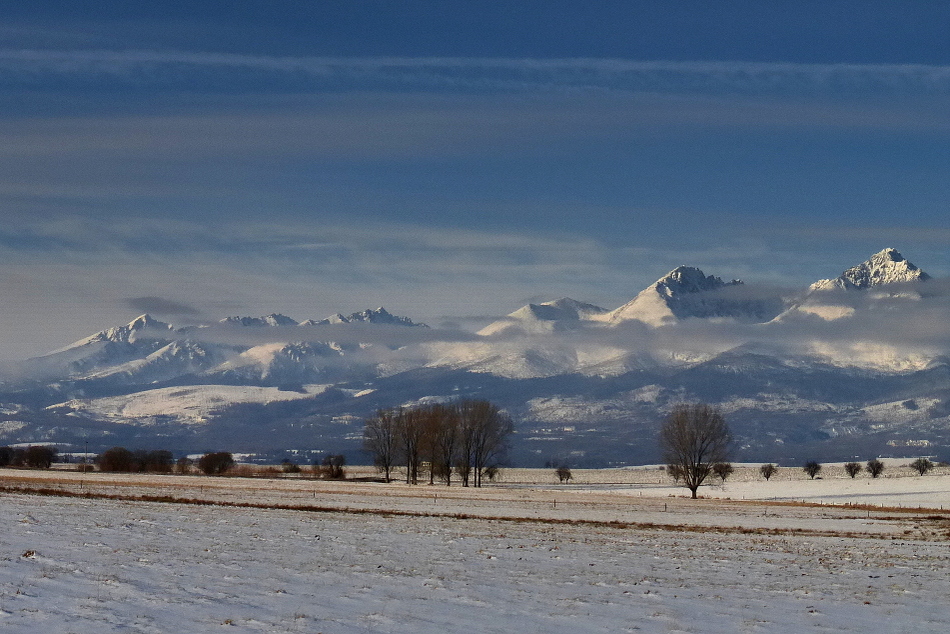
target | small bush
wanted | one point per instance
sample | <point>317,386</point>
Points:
<point>331,467</point>
<point>768,470</point>
<point>288,466</point>
<point>875,467</point>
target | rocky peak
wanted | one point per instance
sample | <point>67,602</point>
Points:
<point>689,279</point>
<point>372,316</point>
<point>885,267</point>
<point>274,319</point>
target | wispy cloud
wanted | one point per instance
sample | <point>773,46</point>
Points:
<point>490,73</point>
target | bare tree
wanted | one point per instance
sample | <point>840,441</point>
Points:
<point>768,470</point>
<point>852,469</point>
<point>922,466</point>
<point>485,430</point>
<point>694,438</point>
<point>812,469</point>
<point>470,436</point>
<point>39,457</point>
<point>441,440</point>
<point>216,463</point>
<point>411,435</point>
<point>447,442</point>
<point>381,438</point>
<point>563,474</point>
<point>875,467</point>
<point>723,470</point>
<point>675,471</point>
<point>116,459</point>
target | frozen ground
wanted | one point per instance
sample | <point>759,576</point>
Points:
<point>401,559</point>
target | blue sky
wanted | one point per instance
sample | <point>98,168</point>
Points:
<point>453,160</point>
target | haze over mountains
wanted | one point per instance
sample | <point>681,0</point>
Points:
<point>853,366</point>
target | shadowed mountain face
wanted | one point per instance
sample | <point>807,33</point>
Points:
<point>853,366</point>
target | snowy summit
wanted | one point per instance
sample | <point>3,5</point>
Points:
<point>886,267</point>
<point>685,292</point>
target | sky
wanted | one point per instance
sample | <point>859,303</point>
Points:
<point>453,160</point>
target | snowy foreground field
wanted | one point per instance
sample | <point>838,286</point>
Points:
<point>524,555</point>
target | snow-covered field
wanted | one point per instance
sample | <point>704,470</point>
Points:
<point>364,557</point>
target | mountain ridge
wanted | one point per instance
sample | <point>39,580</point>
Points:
<point>581,380</point>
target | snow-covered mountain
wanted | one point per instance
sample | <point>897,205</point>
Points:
<point>687,292</point>
<point>369,316</point>
<point>886,267</point>
<point>274,319</point>
<point>560,314</point>
<point>885,275</point>
<point>855,365</point>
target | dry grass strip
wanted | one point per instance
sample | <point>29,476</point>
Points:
<point>604,524</point>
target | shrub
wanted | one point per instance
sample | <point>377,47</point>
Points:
<point>875,467</point>
<point>768,470</point>
<point>183,466</point>
<point>921,466</point>
<point>288,466</point>
<point>331,467</point>
<point>812,469</point>
<point>852,469</point>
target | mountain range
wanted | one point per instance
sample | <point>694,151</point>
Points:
<point>850,368</point>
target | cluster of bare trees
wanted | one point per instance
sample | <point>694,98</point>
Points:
<point>121,459</point>
<point>467,438</point>
<point>34,456</point>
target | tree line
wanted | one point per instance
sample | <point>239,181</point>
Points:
<point>467,438</point>
<point>695,441</point>
<point>34,457</point>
